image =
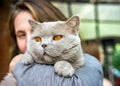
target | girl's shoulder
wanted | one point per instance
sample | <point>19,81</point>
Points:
<point>14,61</point>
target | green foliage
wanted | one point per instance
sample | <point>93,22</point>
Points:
<point>116,57</point>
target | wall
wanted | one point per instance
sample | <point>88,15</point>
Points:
<point>4,39</point>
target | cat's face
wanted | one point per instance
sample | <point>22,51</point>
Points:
<point>51,40</point>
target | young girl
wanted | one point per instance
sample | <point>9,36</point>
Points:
<point>42,10</point>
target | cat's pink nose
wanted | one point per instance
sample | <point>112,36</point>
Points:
<point>44,45</point>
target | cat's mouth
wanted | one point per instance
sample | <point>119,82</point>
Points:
<point>45,54</point>
<point>47,58</point>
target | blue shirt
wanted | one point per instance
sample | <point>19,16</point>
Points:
<point>91,74</point>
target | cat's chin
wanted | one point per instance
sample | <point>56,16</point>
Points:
<point>48,59</point>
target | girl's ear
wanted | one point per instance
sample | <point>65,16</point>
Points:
<point>73,22</point>
<point>33,23</point>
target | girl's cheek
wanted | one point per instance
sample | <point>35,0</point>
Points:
<point>22,45</point>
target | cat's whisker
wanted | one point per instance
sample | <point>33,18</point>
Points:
<point>69,49</point>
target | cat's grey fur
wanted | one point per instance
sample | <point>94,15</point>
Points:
<point>66,54</point>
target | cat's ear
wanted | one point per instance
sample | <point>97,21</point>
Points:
<point>73,22</point>
<point>33,23</point>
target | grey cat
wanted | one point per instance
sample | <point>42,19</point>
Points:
<point>55,43</point>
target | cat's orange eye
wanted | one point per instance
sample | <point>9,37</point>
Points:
<point>57,37</point>
<point>38,39</point>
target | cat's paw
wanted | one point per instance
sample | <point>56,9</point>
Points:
<point>27,59</point>
<point>64,68</point>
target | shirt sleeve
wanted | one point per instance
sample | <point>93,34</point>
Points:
<point>90,74</point>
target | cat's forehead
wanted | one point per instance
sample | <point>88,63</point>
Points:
<point>51,27</point>
<point>48,28</point>
<point>52,24</point>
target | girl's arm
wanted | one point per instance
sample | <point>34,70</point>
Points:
<point>14,61</point>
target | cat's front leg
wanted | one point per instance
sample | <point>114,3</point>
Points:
<point>27,58</point>
<point>64,68</point>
